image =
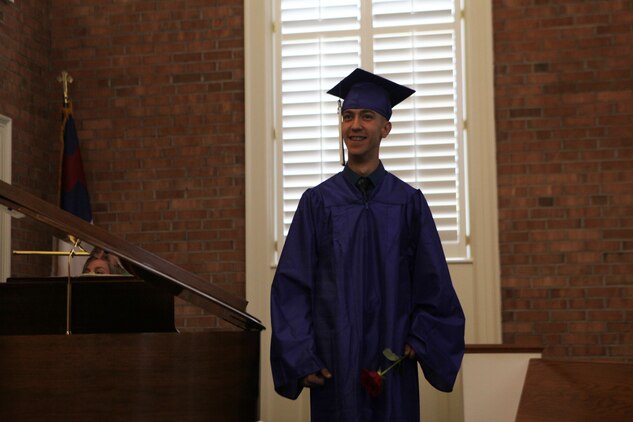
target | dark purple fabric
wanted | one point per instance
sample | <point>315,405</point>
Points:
<point>355,278</point>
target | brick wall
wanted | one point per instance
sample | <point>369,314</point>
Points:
<point>564,118</point>
<point>159,102</point>
<point>26,81</point>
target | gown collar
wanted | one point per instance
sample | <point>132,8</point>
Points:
<point>376,176</point>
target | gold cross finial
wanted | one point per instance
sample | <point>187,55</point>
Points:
<point>65,79</point>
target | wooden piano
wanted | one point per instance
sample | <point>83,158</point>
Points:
<point>122,359</point>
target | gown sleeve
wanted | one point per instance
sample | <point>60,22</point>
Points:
<point>293,352</point>
<point>437,321</point>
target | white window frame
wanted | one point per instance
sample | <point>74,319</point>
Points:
<point>456,249</point>
<point>482,269</point>
<point>476,280</point>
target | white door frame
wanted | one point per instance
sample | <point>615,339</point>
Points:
<point>5,218</point>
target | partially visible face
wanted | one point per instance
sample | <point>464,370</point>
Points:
<point>362,131</point>
<point>97,266</point>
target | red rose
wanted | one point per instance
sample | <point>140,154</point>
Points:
<point>372,382</point>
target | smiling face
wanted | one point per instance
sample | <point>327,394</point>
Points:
<point>363,130</point>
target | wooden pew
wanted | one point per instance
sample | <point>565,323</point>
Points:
<point>561,391</point>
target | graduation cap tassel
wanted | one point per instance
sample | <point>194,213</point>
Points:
<point>341,151</point>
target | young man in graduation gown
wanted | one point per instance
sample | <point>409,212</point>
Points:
<point>363,270</point>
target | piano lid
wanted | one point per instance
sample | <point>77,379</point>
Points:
<point>150,267</point>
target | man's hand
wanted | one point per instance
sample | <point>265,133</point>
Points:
<point>317,379</point>
<point>409,352</point>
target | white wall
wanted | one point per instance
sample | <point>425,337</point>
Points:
<point>492,385</point>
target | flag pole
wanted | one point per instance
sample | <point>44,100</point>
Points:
<point>71,184</point>
<point>69,288</point>
<point>65,80</point>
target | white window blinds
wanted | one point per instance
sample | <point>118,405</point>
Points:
<point>414,43</point>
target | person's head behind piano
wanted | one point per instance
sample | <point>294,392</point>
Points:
<point>103,262</point>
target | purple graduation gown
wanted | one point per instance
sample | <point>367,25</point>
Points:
<point>353,279</point>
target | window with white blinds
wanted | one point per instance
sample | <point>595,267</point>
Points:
<point>412,42</point>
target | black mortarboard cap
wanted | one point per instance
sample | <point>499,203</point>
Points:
<point>362,89</point>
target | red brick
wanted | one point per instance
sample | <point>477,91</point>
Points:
<point>568,315</point>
